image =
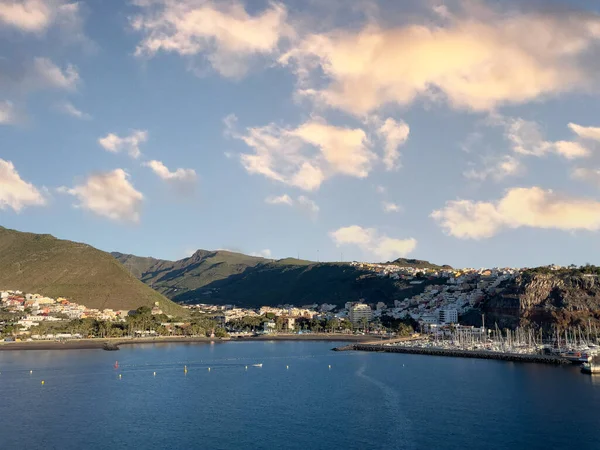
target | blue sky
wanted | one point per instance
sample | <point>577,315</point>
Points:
<point>462,132</point>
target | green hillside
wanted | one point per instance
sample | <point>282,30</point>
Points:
<point>40,263</point>
<point>223,277</point>
<point>172,278</point>
<point>277,284</point>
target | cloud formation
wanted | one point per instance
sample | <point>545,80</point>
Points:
<point>16,193</point>
<point>390,207</point>
<point>587,174</point>
<point>179,175</point>
<point>36,16</point>
<point>520,207</point>
<point>308,206</point>
<point>306,156</point>
<point>527,139</point>
<point>130,144</point>
<point>7,113</point>
<point>279,200</point>
<point>266,253</point>
<point>372,242</point>
<point>589,133</point>
<point>109,194</point>
<point>395,134</point>
<point>475,57</point>
<point>496,168</point>
<point>37,74</point>
<point>223,32</point>
<point>303,203</point>
<point>69,109</point>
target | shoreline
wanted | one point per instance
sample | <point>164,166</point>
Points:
<point>98,343</point>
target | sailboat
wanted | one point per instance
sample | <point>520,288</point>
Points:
<point>257,365</point>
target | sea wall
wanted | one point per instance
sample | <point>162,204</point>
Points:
<point>544,359</point>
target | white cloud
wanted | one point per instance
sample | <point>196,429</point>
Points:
<point>302,203</point>
<point>16,193</point>
<point>390,207</point>
<point>266,253</point>
<point>7,113</point>
<point>223,32</point>
<point>131,144</point>
<point>476,58</point>
<point>497,168</point>
<point>308,206</point>
<point>109,194</point>
<point>520,207</point>
<point>590,133</point>
<point>36,74</point>
<point>36,16</point>
<point>50,75</point>
<point>306,156</point>
<point>179,175</point>
<point>280,200</point>
<point>371,241</point>
<point>586,174</point>
<point>527,139</point>
<point>68,108</point>
<point>395,134</point>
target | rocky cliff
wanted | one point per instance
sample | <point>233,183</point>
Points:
<point>567,298</point>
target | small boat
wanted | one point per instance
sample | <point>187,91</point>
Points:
<point>257,365</point>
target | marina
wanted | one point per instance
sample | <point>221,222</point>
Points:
<point>520,345</point>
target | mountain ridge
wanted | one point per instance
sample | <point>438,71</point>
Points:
<point>44,264</point>
<point>227,277</point>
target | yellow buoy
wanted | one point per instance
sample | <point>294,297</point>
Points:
<point>154,373</point>
<point>246,367</point>
<point>209,369</point>
<point>119,376</point>
<point>330,366</point>
<point>30,372</point>
<point>42,381</point>
<point>287,367</point>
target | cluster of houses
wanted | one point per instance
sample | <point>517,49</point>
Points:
<point>446,295</point>
<point>36,308</point>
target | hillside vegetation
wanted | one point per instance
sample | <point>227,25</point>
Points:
<point>222,277</point>
<point>41,263</point>
<point>173,278</point>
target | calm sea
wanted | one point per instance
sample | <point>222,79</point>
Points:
<point>303,397</point>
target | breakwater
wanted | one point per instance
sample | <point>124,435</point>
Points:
<point>515,357</point>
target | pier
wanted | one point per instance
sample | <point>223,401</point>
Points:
<point>515,357</point>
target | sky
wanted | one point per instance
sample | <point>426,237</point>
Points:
<point>460,132</point>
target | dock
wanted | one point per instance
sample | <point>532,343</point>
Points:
<point>514,357</point>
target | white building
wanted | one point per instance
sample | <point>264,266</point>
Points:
<point>448,316</point>
<point>269,326</point>
<point>359,312</point>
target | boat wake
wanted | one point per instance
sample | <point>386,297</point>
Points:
<point>401,423</point>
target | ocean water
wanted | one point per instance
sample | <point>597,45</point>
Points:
<point>294,401</point>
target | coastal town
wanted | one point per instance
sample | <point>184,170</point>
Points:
<point>442,296</point>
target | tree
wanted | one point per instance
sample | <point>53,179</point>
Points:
<point>221,333</point>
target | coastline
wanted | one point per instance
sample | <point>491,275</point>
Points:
<point>98,343</point>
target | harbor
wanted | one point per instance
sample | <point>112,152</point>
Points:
<point>520,345</point>
<point>433,351</point>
